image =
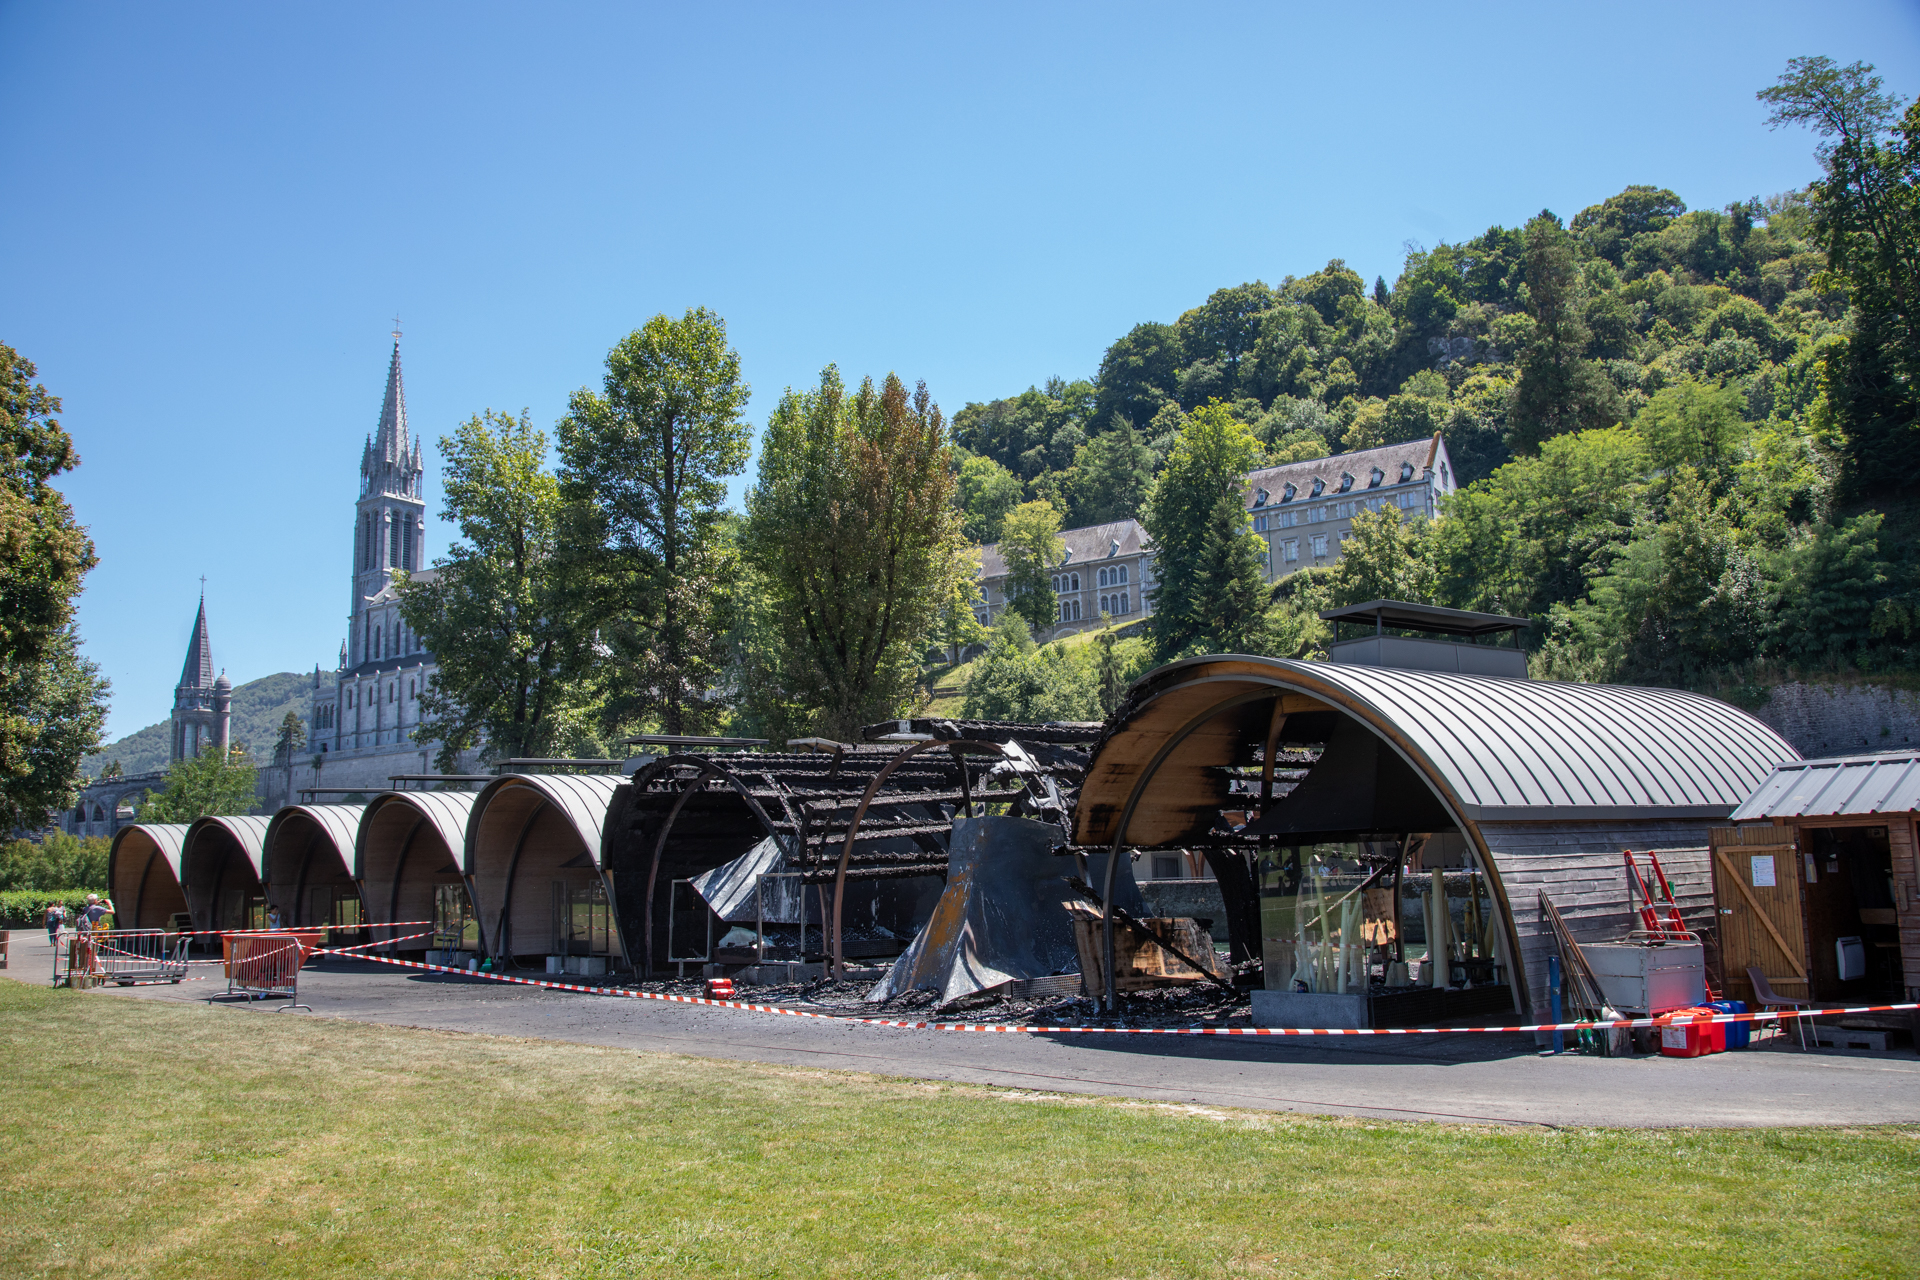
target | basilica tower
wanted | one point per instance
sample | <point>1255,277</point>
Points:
<point>202,704</point>
<point>391,517</point>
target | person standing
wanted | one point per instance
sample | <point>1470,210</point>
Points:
<point>274,920</point>
<point>56,916</point>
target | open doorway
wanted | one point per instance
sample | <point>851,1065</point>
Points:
<point>1853,939</point>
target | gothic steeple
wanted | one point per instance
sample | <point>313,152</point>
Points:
<point>390,462</point>
<point>198,671</point>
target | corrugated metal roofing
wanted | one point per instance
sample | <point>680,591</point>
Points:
<point>1521,750</point>
<point>340,822</point>
<point>1837,787</point>
<point>248,830</point>
<point>582,798</point>
<point>170,838</point>
<point>446,811</point>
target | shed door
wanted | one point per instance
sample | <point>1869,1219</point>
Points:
<point>1756,891</point>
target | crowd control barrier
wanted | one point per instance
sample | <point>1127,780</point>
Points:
<point>124,957</point>
<point>263,966</point>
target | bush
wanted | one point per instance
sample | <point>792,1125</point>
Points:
<point>27,908</point>
<point>53,862</point>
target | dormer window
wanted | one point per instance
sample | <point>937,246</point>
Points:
<point>1373,480</point>
<point>1259,497</point>
<point>1113,547</point>
<point>1319,487</point>
<point>1068,556</point>
<point>1286,494</point>
<point>1406,472</point>
<point>1346,481</point>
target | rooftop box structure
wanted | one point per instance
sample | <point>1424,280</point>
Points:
<point>1375,636</point>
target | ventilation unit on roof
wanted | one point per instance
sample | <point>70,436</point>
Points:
<point>1474,644</point>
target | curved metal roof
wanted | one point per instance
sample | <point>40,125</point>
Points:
<point>1499,749</point>
<point>170,838</point>
<point>446,811</point>
<point>1838,787</point>
<point>582,799</point>
<point>248,830</point>
<point>340,822</point>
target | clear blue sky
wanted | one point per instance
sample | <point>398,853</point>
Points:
<point>213,212</point>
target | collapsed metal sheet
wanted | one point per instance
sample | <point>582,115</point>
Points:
<point>728,889</point>
<point>1003,915</point>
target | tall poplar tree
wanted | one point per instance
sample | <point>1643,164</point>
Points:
<point>647,459</point>
<point>852,523</point>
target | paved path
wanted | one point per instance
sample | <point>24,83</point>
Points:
<point>1479,1078</point>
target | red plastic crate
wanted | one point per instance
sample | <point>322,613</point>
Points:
<point>1692,1039</point>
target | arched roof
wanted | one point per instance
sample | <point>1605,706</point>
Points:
<point>1496,749</point>
<point>169,838</point>
<point>340,822</point>
<point>248,830</point>
<point>447,812</point>
<point>583,799</point>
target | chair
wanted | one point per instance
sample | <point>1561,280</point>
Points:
<point>1768,998</point>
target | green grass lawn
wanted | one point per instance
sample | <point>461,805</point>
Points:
<point>159,1141</point>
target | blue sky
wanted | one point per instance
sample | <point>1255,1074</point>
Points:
<point>214,212</point>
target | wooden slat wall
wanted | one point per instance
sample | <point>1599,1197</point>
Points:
<point>1745,940</point>
<point>1906,897</point>
<point>1579,866</point>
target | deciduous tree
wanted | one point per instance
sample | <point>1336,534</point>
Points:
<point>853,524</point>
<point>1030,546</point>
<point>203,786</point>
<point>647,459</point>
<point>1212,594</point>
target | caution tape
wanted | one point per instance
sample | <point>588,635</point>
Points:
<point>1665,1020</point>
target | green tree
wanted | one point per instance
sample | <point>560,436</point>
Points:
<point>203,786</point>
<point>1694,424</point>
<point>51,700</point>
<point>1867,218</point>
<point>1139,374</point>
<point>1829,584</point>
<point>1031,548</point>
<point>1212,594</point>
<point>1559,390</point>
<point>55,861</point>
<point>1111,476</point>
<point>852,521</point>
<point>1385,558</point>
<point>292,737</point>
<point>509,615</point>
<point>649,456</point>
<point>987,491</point>
<point>1017,680</point>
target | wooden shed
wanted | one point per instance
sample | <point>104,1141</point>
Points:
<point>143,874</point>
<point>1297,777</point>
<point>309,867</point>
<point>407,858</point>
<point>1816,882</point>
<point>223,871</point>
<point>533,856</point>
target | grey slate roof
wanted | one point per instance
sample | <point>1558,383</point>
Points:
<point>198,671</point>
<point>1836,787</point>
<point>1390,459</point>
<point>1092,543</point>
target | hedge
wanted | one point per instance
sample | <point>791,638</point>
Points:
<point>20,908</point>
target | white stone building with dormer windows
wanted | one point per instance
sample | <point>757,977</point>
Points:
<point>1304,511</point>
<point>1108,570</point>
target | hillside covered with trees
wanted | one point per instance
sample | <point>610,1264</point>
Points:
<point>1687,436</point>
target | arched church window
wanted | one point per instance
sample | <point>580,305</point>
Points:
<point>378,640</point>
<point>393,543</point>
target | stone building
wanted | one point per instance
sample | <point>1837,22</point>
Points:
<point>1108,570</point>
<point>359,732</point>
<point>1304,510</point>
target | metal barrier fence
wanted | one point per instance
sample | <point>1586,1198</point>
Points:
<point>124,957</point>
<point>263,966</point>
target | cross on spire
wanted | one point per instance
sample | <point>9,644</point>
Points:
<point>396,328</point>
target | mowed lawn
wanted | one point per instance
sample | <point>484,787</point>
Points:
<point>159,1141</point>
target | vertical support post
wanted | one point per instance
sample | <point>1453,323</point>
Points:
<point>1553,995</point>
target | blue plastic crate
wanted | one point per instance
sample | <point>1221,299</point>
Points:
<point>1738,1033</point>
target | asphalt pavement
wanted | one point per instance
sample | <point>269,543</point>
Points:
<point>1479,1078</point>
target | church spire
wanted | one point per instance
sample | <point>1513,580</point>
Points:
<point>390,444</point>
<point>198,671</point>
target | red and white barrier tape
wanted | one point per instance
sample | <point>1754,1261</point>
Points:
<point>904,1024</point>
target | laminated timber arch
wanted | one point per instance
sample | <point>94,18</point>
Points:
<point>222,868</point>
<point>527,830</point>
<point>308,847</point>
<point>1546,781</point>
<point>143,874</point>
<point>407,844</point>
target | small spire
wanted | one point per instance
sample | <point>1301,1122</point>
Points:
<point>390,441</point>
<point>198,671</point>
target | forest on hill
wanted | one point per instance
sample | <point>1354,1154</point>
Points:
<point>1688,437</point>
